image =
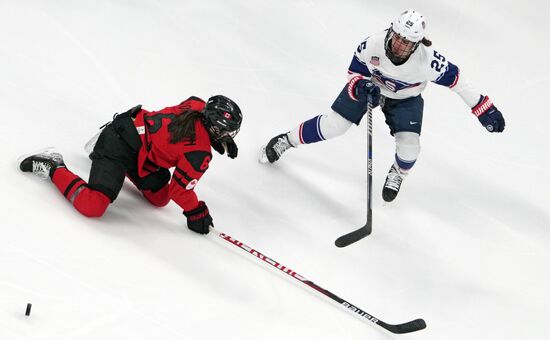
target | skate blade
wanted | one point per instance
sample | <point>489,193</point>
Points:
<point>263,156</point>
<point>90,145</point>
<point>48,149</point>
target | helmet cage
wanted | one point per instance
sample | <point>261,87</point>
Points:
<point>403,47</point>
<point>219,134</point>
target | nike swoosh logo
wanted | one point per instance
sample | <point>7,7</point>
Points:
<point>412,123</point>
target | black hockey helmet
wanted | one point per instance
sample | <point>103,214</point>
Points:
<point>222,117</point>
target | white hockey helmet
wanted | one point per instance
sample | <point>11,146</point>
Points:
<point>404,36</point>
<point>410,25</point>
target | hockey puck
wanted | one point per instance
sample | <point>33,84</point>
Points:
<point>28,311</point>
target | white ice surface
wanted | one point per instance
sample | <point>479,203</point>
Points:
<point>466,246</point>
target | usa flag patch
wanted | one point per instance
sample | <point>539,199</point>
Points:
<point>375,61</point>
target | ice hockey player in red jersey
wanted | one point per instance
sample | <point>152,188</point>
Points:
<point>391,69</point>
<point>143,146</point>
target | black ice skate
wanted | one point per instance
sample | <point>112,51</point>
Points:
<point>393,183</point>
<point>42,163</point>
<point>275,148</point>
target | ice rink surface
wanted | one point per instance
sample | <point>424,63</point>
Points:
<point>466,245</point>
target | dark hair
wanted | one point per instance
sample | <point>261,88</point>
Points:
<point>183,126</point>
<point>426,42</point>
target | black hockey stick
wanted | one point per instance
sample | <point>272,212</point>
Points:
<point>407,327</point>
<point>365,230</point>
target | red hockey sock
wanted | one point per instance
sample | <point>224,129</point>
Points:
<point>88,202</point>
<point>67,182</point>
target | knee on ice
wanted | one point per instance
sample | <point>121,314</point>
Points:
<point>91,203</point>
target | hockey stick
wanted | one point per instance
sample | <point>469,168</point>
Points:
<point>365,230</point>
<point>407,327</point>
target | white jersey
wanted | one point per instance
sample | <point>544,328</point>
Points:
<point>409,79</point>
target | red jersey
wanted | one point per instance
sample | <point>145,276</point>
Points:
<point>190,158</point>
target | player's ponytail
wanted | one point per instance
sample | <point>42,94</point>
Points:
<point>183,126</point>
<point>426,42</point>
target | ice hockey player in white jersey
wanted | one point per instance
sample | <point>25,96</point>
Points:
<point>390,69</point>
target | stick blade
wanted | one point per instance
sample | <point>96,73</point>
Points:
<point>356,235</point>
<point>407,327</point>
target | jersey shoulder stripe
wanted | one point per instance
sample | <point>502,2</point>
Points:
<point>357,66</point>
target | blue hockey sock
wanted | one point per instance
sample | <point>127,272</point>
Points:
<point>310,131</point>
<point>403,164</point>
